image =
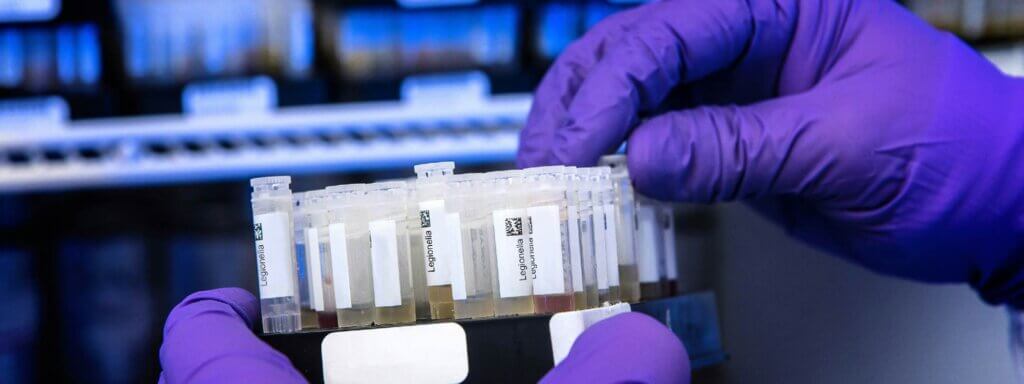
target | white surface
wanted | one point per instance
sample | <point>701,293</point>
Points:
<point>387,283</point>
<point>648,236</point>
<point>546,237</point>
<point>600,248</point>
<point>28,10</point>
<point>316,275</point>
<point>567,326</point>
<point>514,277</point>
<point>421,354</point>
<point>34,114</point>
<point>339,266</point>
<point>575,257</point>
<point>273,255</point>
<point>458,268</point>
<point>437,243</point>
<point>611,244</point>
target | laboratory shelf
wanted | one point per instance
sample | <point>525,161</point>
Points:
<point>44,155</point>
<point>519,349</point>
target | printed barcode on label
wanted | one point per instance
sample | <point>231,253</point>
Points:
<point>513,226</point>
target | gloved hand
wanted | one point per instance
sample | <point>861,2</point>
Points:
<point>854,124</point>
<point>627,348</point>
<point>208,339</point>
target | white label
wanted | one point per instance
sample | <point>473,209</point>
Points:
<point>387,283</point>
<point>600,248</point>
<point>565,327</point>
<point>648,232</point>
<point>421,354</point>
<point>669,235</point>
<point>612,244</point>
<point>437,243</point>
<point>546,240</point>
<point>458,269</point>
<point>316,275</point>
<point>514,269</point>
<point>575,256</point>
<point>28,10</point>
<point>34,113</point>
<point>274,263</point>
<point>339,266</point>
<point>246,96</point>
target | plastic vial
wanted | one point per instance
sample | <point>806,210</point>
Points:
<point>581,241</point>
<point>318,251</point>
<point>350,255</point>
<point>473,262</point>
<point>514,271</point>
<point>307,314</point>
<point>389,253</point>
<point>670,257</point>
<point>625,212</point>
<point>605,241</point>
<point>651,247</point>
<point>277,275</point>
<point>434,239</point>
<point>547,216</point>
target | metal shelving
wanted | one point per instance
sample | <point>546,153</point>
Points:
<point>340,137</point>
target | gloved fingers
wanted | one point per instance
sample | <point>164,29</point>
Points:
<point>627,348</point>
<point>674,42</point>
<point>208,338</point>
<point>780,147</point>
<point>559,85</point>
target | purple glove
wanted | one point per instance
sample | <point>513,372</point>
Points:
<point>208,339</point>
<point>854,124</point>
<point>628,348</point>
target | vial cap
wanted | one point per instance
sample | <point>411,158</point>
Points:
<point>345,188</point>
<point>545,169</point>
<point>614,161</point>
<point>434,169</point>
<point>386,185</point>
<point>270,180</point>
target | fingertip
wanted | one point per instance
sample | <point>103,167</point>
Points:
<point>655,164</point>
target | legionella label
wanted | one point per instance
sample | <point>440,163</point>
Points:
<point>515,274</point>
<point>458,269</point>
<point>600,248</point>
<point>339,266</point>
<point>547,232</point>
<point>575,253</point>
<point>649,243</point>
<point>315,272</point>
<point>274,254</point>
<point>611,244</point>
<point>437,242</point>
<point>387,283</point>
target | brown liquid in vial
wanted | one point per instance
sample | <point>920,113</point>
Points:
<point>553,303</point>
<point>651,291</point>
<point>580,300</point>
<point>514,306</point>
<point>441,305</point>
<point>629,278</point>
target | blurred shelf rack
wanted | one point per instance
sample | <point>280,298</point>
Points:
<point>306,139</point>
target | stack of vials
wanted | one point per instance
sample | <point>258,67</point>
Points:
<point>467,246</point>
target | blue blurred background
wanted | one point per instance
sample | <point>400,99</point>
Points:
<point>129,128</point>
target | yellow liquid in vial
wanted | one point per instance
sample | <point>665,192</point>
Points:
<point>441,305</point>
<point>611,296</point>
<point>629,283</point>
<point>353,317</point>
<point>514,306</point>
<point>309,319</point>
<point>402,314</point>
<point>580,301</point>
<point>553,303</point>
<point>474,308</point>
<point>651,291</point>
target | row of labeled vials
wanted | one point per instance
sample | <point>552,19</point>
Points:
<point>518,242</point>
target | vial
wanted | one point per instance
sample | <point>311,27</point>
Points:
<point>433,237</point>
<point>547,217</point>
<point>651,247</point>
<point>351,270</point>
<point>670,257</point>
<point>277,274</point>
<point>307,314</point>
<point>605,241</point>
<point>513,283</point>
<point>318,252</point>
<point>389,253</point>
<point>625,212</point>
<point>469,217</point>
<point>581,242</point>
